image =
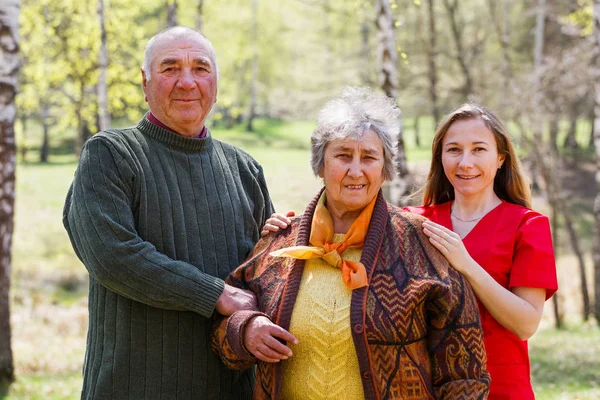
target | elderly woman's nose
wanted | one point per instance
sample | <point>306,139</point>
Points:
<point>355,168</point>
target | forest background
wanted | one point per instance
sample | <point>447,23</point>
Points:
<point>535,62</point>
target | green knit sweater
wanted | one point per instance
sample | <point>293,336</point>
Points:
<point>159,220</point>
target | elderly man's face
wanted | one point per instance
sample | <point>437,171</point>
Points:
<point>183,83</point>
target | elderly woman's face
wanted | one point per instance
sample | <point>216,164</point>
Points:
<point>353,173</point>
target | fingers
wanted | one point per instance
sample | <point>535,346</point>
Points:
<point>263,339</point>
<point>279,332</point>
<point>276,223</point>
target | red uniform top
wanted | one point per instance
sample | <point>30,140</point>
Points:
<point>514,245</point>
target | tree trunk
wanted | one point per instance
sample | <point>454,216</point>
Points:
<point>44,150</point>
<point>597,146</point>
<point>417,132</point>
<point>365,75</point>
<point>554,134</point>
<point>24,145</point>
<point>172,13</point>
<point>387,55</point>
<point>558,317</point>
<point>199,12</point>
<point>538,53</point>
<point>571,139</point>
<point>103,114</point>
<point>503,34</point>
<point>547,160</point>
<point>254,79</point>
<point>432,70</point>
<point>9,69</point>
<point>452,8</point>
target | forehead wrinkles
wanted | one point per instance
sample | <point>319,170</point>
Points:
<point>182,48</point>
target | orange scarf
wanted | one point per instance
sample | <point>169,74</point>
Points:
<point>354,274</point>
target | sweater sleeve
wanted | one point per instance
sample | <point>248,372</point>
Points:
<point>99,219</point>
<point>456,342</point>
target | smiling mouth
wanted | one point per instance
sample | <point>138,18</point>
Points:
<point>355,186</point>
<point>467,178</point>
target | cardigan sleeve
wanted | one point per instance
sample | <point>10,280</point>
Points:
<point>99,219</point>
<point>456,342</point>
<point>259,269</point>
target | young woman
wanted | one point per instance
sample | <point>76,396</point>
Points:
<point>479,207</point>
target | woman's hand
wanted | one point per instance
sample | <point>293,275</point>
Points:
<point>263,339</point>
<point>277,222</point>
<point>449,244</point>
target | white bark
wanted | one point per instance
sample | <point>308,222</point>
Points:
<point>9,67</point>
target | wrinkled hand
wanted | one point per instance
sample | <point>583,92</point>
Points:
<point>234,299</point>
<point>277,222</point>
<point>261,338</point>
<point>449,244</point>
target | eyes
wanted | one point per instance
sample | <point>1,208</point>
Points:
<point>455,149</point>
<point>348,157</point>
<point>172,70</point>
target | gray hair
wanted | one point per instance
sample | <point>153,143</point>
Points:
<point>177,32</point>
<point>356,112</point>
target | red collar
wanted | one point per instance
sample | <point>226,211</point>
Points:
<point>155,121</point>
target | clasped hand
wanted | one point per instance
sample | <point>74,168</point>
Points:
<point>264,340</point>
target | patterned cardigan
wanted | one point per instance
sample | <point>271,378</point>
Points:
<point>415,327</point>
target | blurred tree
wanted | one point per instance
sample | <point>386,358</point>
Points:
<point>103,114</point>
<point>172,19</point>
<point>199,15</point>
<point>9,53</point>
<point>432,68</point>
<point>596,253</point>
<point>254,66</point>
<point>387,55</point>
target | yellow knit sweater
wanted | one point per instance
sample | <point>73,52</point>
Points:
<point>324,364</point>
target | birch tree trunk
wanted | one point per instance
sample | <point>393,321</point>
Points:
<point>103,114</point>
<point>597,146</point>
<point>172,13</point>
<point>9,68</point>
<point>387,55</point>
<point>461,57</point>
<point>254,79</point>
<point>432,70</point>
<point>199,12</point>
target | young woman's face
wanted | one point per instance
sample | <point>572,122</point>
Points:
<point>470,157</point>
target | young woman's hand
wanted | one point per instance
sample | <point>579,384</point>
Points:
<point>449,244</point>
<point>277,222</point>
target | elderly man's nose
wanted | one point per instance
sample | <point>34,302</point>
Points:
<point>186,80</point>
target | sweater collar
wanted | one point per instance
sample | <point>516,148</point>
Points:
<point>172,139</point>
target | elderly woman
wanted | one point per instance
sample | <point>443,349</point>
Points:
<point>354,302</point>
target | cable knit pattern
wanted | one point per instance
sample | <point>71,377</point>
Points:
<point>324,365</point>
<point>159,220</point>
<point>415,327</point>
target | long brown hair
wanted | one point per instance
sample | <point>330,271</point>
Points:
<point>510,183</point>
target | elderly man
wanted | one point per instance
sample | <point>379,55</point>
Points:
<point>159,214</point>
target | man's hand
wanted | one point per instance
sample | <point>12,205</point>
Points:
<point>263,339</point>
<point>277,222</point>
<point>233,299</point>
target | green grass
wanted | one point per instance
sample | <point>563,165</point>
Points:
<point>49,285</point>
<point>566,364</point>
